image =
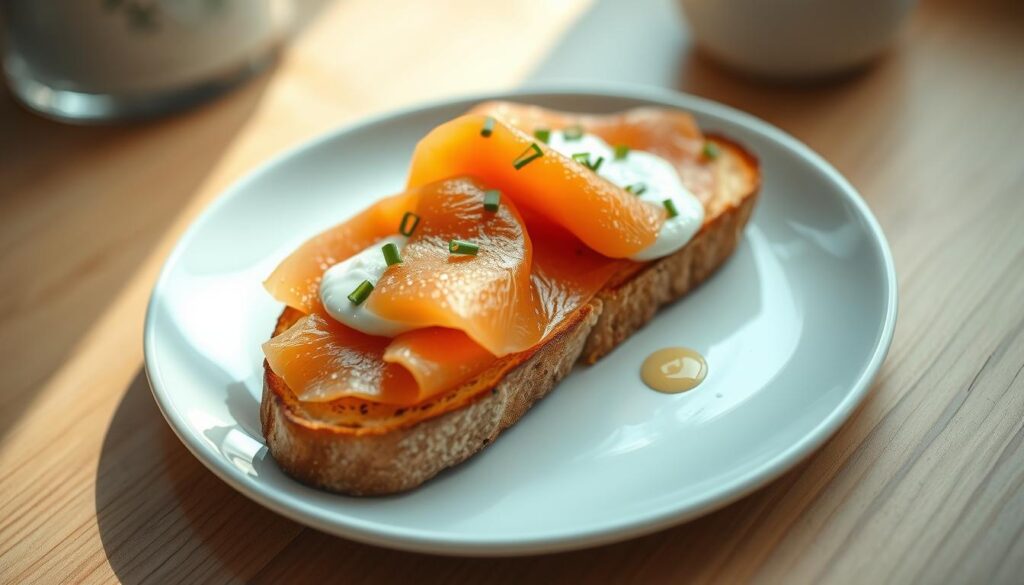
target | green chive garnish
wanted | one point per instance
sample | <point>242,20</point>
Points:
<point>582,158</point>
<point>528,156</point>
<point>409,222</point>
<point>492,198</point>
<point>636,188</point>
<point>463,247</point>
<point>362,291</point>
<point>391,255</point>
<point>542,134</point>
<point>621,150</point>
<point>573,133</point>
<point>488,127</point>
<point>670,206</point>
<point>711,150</point>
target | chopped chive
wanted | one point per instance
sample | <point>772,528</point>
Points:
<point>532,153</point>
<point>584,159</point>
<point>463,247</point>
<point>636,188</point>
<point>670,207</point>
<point>621,150</point>
<point>711,150</point>
<point>492,198</point>
<point>573,133</point>
<point>361,292</point>
<point>542,134</point>
<point>488,127</point>
<point>391,255</point>
<point>409,222</point>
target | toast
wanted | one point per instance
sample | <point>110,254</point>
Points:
<point>358,448</point>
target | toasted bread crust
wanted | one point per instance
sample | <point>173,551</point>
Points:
<point>361,463</point>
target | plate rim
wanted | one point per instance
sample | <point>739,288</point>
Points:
<point>425,541</point>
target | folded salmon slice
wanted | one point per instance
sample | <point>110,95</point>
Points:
<point>296,281</point>
<point>670,134</point>
<point>489,295</point>
<point>604,216</point>
<point>437,359</point>
<point>322,360</point>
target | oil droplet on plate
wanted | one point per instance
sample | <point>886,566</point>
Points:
<point>674,369</point>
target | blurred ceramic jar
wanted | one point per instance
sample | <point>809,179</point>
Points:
<point>93,60</point>
<point>795,38</point>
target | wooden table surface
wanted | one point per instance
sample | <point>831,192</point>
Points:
<point>925,483</point>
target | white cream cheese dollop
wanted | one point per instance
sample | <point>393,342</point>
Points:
<point>341,279</point>
<point>656,174</point>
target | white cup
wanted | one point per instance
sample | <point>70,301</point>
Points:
<point>795,38</point>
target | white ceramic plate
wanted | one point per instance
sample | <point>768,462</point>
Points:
<point>794,327</point>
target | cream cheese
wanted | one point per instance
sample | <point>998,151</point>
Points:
<point>660,180</point>
<point>341,279</point>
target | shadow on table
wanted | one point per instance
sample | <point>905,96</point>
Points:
<point>162,516</point>
<point>199,135</point>
<point>134,223</point>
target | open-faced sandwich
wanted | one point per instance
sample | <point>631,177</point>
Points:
<point>526,240</point>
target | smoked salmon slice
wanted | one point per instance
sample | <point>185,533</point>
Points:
<point>437,358</point>
<point>670,134</point>
<point>322,360</point>
<point>603,215</point>
<point>296,281</point>
<point>489,295</point>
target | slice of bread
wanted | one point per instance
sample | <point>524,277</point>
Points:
<point>363,449</point>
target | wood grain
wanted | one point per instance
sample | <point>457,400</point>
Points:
<point>924,484</point>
